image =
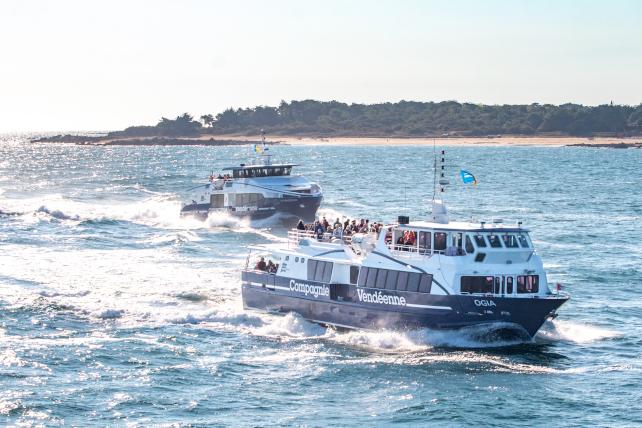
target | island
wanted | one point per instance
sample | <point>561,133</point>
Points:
<point>321,122</point>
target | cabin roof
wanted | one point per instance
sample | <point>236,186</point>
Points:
<point>271,166</point>
<point>465,226</point>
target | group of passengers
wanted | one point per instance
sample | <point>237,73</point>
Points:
<point>408,239</point>
<point>338,230</point>
<point>220,177</point>
<point>269,267</point>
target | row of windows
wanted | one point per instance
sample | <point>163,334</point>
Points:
<point>243,199</point>
<point>394,280</point>
<point>438,241</point>
<point>495,241</point>
<point>319,271</point>
<point>262,172</point>
<point>499,284</point>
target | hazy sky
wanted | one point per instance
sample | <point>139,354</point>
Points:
<point>82,65</point>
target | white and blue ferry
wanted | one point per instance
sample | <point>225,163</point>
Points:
<point>436,273</point>
<point>257,191</point>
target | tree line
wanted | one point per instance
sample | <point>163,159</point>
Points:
<point>406,119</point>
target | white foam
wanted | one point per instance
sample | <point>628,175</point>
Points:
<point>291,325</point>
<point>569,331</point>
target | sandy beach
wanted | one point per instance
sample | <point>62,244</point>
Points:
<point>452,141</point>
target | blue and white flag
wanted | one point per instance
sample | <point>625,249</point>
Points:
<point>467,177</point>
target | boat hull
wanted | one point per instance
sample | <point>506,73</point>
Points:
<point>286,211</point>
<point>344,305</point>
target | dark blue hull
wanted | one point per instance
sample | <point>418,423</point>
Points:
<point>287,211</point>
<point>363,308</point>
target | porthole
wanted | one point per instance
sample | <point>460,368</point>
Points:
<point>296,260</point>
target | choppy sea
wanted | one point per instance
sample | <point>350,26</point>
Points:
<point>115,311</point>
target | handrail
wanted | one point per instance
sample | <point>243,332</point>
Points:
<point>296,235</point>
<point>405,249</point>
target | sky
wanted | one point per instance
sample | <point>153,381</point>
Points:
<point>103,65</point>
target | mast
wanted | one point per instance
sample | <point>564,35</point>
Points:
<point>439,212</point>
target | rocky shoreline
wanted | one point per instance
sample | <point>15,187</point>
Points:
<point>622,145</point>
<point>84,140</point>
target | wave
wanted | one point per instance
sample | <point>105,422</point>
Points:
<point>568,331</point>
<point>492,335</point>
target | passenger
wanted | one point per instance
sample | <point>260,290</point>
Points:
<point>346,224</point>
<point>261,265</point>
<point>400,244</point>
<point>319,230</point>
<point>271,267</point>
<point>412,239</point>
<point>337,223</point>
<point>451,251</point>
<point>300,225</point>
<point>325,223</point>
<point>338,232</point>
<point>388,237</point>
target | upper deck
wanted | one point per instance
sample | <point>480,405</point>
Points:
<point>257,171</point>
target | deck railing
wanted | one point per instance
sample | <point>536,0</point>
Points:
<point>421,251</point>
<point>295,236</point>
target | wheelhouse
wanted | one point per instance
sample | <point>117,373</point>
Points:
<point>259,171</point>
<point>427,241</point>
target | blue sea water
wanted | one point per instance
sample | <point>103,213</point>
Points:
<point>114,311</point>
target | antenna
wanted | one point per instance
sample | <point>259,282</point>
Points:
<point>405,210</point>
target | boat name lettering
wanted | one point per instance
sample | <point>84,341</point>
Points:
<point>315,290</point>
<point>382,299</point>
<point>484,303</point>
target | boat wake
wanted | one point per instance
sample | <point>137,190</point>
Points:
<point>161,211</point>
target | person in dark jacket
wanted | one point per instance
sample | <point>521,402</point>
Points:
<point>300,225</point>
<point>261,265</point>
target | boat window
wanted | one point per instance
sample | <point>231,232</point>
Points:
<point>458,240</point>
<point>523,241</point>
<point>509,285</point>
<point>477,284</point>
<point>302,259</point>
<point>287,258</point>
<point>425,284</point>
<point>286,170</point>
<point>469,245</point>
<point>498,285</point>
<point>528,283</point>
<point>217,200</point>
<point>391,280</point>
<point>363,274</point>
<point>312,267</point>
<point>510,241</point>
<point>425,239</point>
<point>480,241</point>
<point>381,278</point>
<point>480,257</point>
<point>354,274</point>
<point>494,241</point>
<point>318,273</point>
<point>296,259</point>
<point>413,282</point>
<point>327,272</point>
<point>402,281</point>
<point>372,277</point>
<point>440,241</point>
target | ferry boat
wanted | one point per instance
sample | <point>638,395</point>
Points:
<point>257,191</point>
<point>433,273</point>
